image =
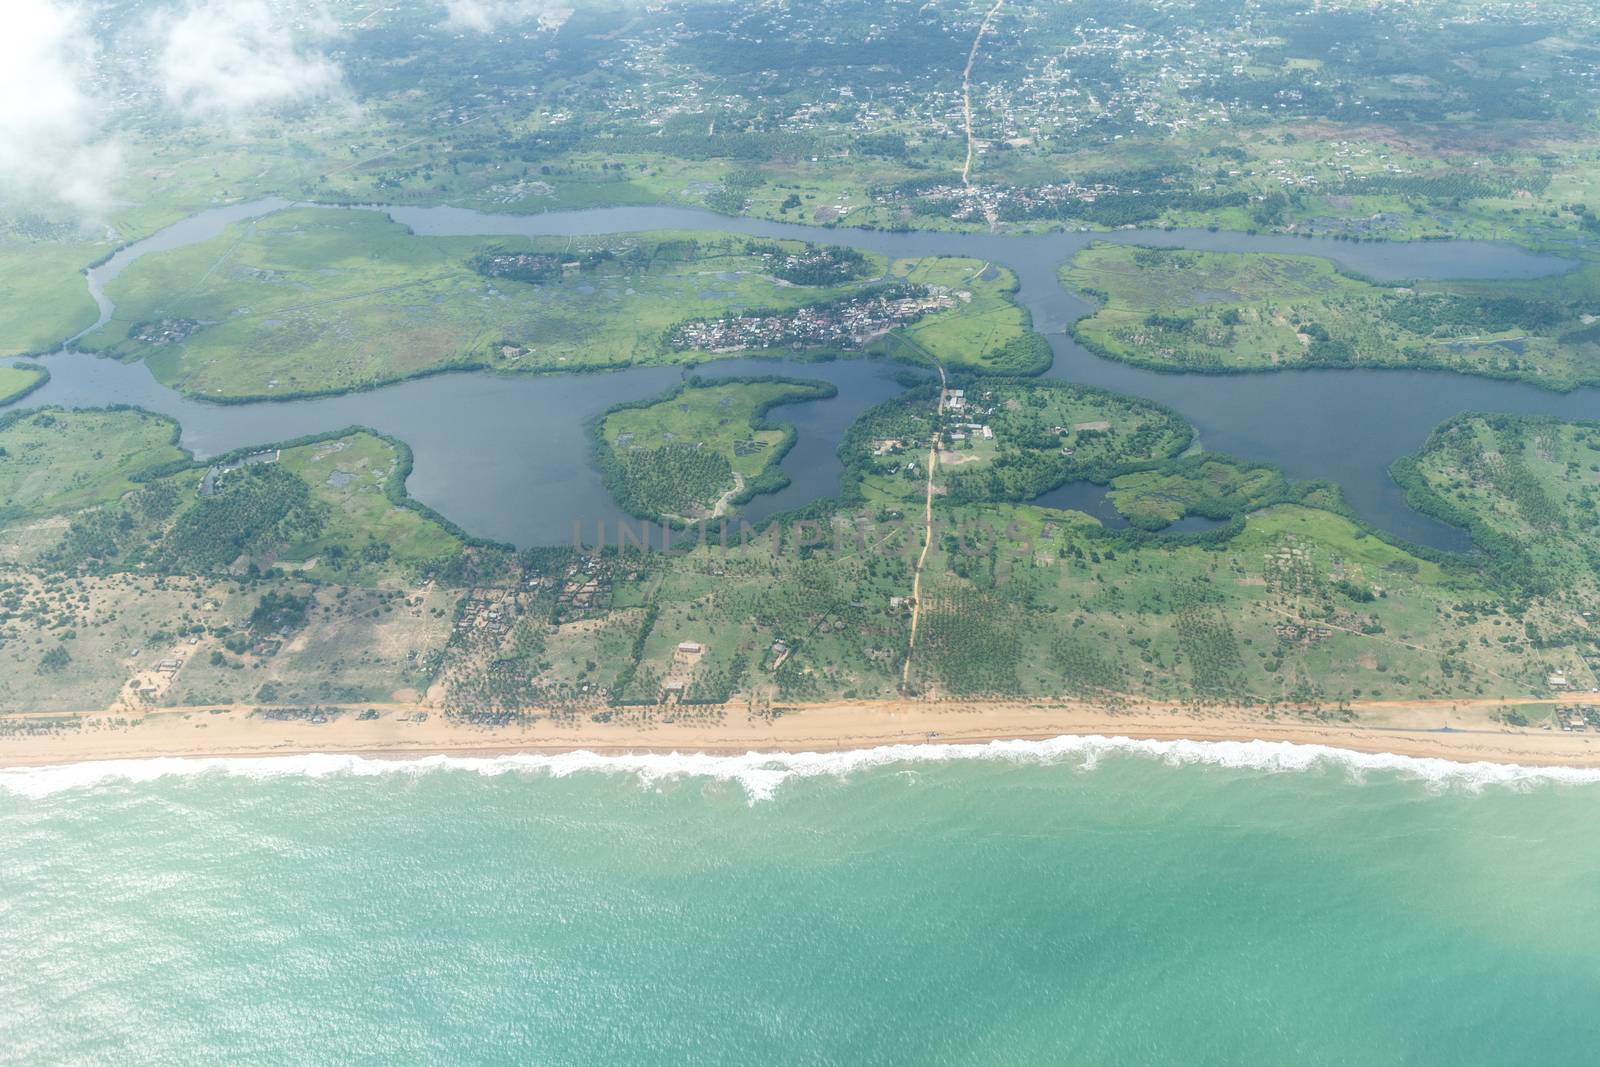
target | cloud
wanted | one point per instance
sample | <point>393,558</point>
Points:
<point>53,151</point>
<point>232,58</point>
<point>486,15</point>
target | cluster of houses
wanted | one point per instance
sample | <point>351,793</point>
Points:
<point>1301,633</point>
<point>585,587</point>
<point>208,484</point>
<point>843,323</point>
<point>970,202</point>
<point>1578,718</point>
<point>163,331</point>
<point>488,613</point>
<point>956,403</point>
<point>525,266</point>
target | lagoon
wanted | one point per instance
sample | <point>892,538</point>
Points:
<point>507,458</point>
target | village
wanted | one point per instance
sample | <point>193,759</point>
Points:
<point>163,331</point>
<point>965,203</point>
<point>848,323</point>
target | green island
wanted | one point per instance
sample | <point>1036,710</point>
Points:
<point>1216,312</point>
<point>1004,439</point>
<point>701,449</point>
<point>17,380</point>
<point>311,301</point>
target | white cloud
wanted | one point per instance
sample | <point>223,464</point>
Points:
<point>52,149</point>
<point>486,15</point>
<point>230,58</point>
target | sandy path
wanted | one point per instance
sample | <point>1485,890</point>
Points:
<point>966,87</point>
<point>927,536</point>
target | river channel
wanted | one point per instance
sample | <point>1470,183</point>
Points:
<point>507,456</point>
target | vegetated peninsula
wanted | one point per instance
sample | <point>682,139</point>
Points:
<point>17,380</point>
<point>701,449</point>
<point>1213,312</point>
<point>309,301</point>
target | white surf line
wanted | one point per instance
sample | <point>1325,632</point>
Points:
<point>966,88</point>
<point>759,774</point>
<point>927,534</point>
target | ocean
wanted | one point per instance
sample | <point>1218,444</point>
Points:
<point>1070,901</point>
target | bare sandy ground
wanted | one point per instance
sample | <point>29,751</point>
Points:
<point>1459,731</point>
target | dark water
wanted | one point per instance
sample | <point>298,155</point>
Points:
<point>507,457</point>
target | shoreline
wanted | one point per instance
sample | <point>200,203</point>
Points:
<point>1458,732</point>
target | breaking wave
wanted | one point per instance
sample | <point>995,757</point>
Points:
<point>759,774</point>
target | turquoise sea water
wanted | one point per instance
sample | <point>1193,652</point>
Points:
<point>1055,905</point>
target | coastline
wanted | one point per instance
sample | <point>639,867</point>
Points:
<point>1457,732</point>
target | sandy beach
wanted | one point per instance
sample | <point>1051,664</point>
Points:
<point>1459,731</point>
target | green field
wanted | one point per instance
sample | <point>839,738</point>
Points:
<point>56,461</point>
<point>1217,311</point>
<point>1214,487</point>
<point>17,380</point>
<point>43,299</point>
<point>700,449</point>
<point>1300,606</point>
<point>359,479</point>
<point>328,509</point>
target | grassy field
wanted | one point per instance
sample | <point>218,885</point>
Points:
<point>56,461</point>
<point>1214,487</point>
<point>351,476</point>
<point>327,510</point>
<point>701,448</point>
<point>1301,607</point>
<point>43,298</point>
<point>17,380</point>
<point>1216,311</point>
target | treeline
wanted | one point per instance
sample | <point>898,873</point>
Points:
<point>1425,314</point>
<point>1124,209</point>
<point>253,509</point>
<point>535,268</point>
<point>1444,187</point>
